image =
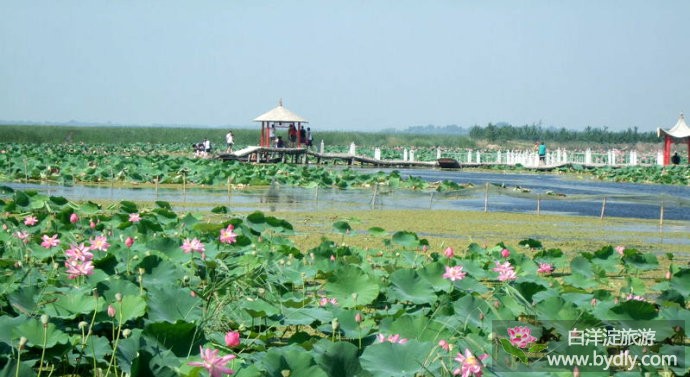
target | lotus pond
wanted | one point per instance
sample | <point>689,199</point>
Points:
<point>127,289</point>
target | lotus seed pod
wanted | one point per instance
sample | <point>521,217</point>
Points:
<point>185,279</point>
<point>141,271</point>
<point>44,319</point>
<point>82,325</point>
<point>490,336</point>
<point>335,324</point>
<point>118,297</point>
<point>354,296</point>
<point>126,333</point>
<point>285,372</point>
<point>242,327</point>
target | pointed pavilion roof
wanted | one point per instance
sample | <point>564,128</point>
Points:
<point>679,131</point>
<point>280,114</point>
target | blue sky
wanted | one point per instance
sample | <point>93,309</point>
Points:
<point>361,65</point>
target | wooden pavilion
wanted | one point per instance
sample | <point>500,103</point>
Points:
<point>680,133</point>
<point>279,117</point>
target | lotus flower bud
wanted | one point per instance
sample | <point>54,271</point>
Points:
<point>358,317</point>
<point>285,372</point>
<point>449,252</point>
<point>668,275</point>
<point>73,218</point>
<point>22,342</point>
<point>111,311</point>
<point>82,325</point>
<point>44,320</point>
<point>335,324</point>
<point>129,242</point>
<point>576,372</point>
<point>92,224</point>
<point>505,253</point>
<point>232,339</point>
<point>593,302</point>
<point>118,297</point>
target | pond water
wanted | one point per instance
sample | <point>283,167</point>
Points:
<point>525,193</point>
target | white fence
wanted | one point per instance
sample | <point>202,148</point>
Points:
<point>528,158</point>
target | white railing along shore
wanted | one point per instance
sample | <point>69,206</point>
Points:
<point>528,158</point>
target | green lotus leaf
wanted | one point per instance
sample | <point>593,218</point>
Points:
<point>407,285</point>
<point>131,307</point>
<point>351,286</point>
<point>338,359</point>
<point>7,322</point>
<point>259,308</point>
<point>23,300</point>
<point>179,337</point>
<point>405,239</point>
<point>304,316</point>
<point>293,359</point>
<point>433,273</point>
<point>396,360</point>
<point>341,227</point>
<point>171,304</point>
<point>639,261</point>
<point>32,330</point>
<point>74,303</point>
<point>416,327</point>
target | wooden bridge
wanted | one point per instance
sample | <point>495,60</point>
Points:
<point>306,156</point>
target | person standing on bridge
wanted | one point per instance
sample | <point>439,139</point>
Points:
<point>542,153</point>
<point>229,141</point>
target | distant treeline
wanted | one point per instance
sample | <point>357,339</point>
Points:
<point>506,132</point>
<point>242,136</point>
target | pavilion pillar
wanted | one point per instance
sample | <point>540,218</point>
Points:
<point>688,140</point>
<point>667,150</point>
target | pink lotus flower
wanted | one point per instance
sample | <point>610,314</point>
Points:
<point>24,236</point>
<point>73,218</point>
<point>521,336</point>
<point>30,220</point>
<point>392,339</point>
<point>78,253</point>
<point>505,253</point>
<point>134,217</point>
<point>444,344</point>
<point>634,297</point>
<point>545,268</point>
<point>505,271</point>
<point>111,311</point>
<point>129,242</point>
<point>75,268</point>
<point>323,301</point>
<point>620,249</point>
<point>49,242</point>
<point>232,339</point>
<point>189,246</point>
<point>99,243</point>
<point>215,365</point>
<point>454,273</point>
<point>227,235</point>
<point>449,252</point>
<point>471,365</point>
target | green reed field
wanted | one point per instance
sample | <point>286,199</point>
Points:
<point>167,135</point>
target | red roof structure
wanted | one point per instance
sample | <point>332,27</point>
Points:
<point>680,133</point>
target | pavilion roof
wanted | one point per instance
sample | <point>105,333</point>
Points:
<point>280,114</point>
<point>679,131</point>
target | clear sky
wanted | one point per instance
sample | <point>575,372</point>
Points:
<point>355,64</point>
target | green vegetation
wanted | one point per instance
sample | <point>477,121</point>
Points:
<point>504,132</point>
<point>187,136</point>
<point>90,290</point>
